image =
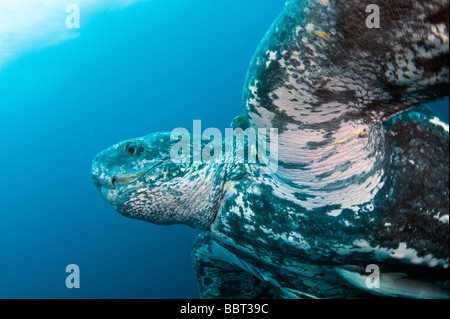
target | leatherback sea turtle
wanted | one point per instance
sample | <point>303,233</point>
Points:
<point>362,177</point>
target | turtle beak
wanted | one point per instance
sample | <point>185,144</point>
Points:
<point>105,184</point>
<point>100,179</point>
<point>101,176</point>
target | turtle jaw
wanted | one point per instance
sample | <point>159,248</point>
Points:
<point>131,178</point>
<point>109,187</point>
<point>109,184</point>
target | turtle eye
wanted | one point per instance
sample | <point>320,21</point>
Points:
<point>133,149</point>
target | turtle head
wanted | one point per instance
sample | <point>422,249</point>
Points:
<point>139,178</point>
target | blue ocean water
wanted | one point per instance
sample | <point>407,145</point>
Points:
<point>151,66</point>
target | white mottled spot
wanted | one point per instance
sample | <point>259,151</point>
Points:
<point>254,190</point>
<point>294,239</point>
<point>272,57</point>
<point>239,199</point>
<point>235,209</point>
<point>442,219</point>
<point>254,89</point>
<point>302,66</point>
<point>403,253</point>
<point>267,231</point>
<point>437,121</point>
<point>249,228</point>
<point>334,213</point>
<point>440,31</point>
<point>310,27</point>
<point>368,208</point>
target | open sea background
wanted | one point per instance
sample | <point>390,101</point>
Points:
<point>131,70</point>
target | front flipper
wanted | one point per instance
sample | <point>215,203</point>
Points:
<point>221,274</point>
<point>394,284</point>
